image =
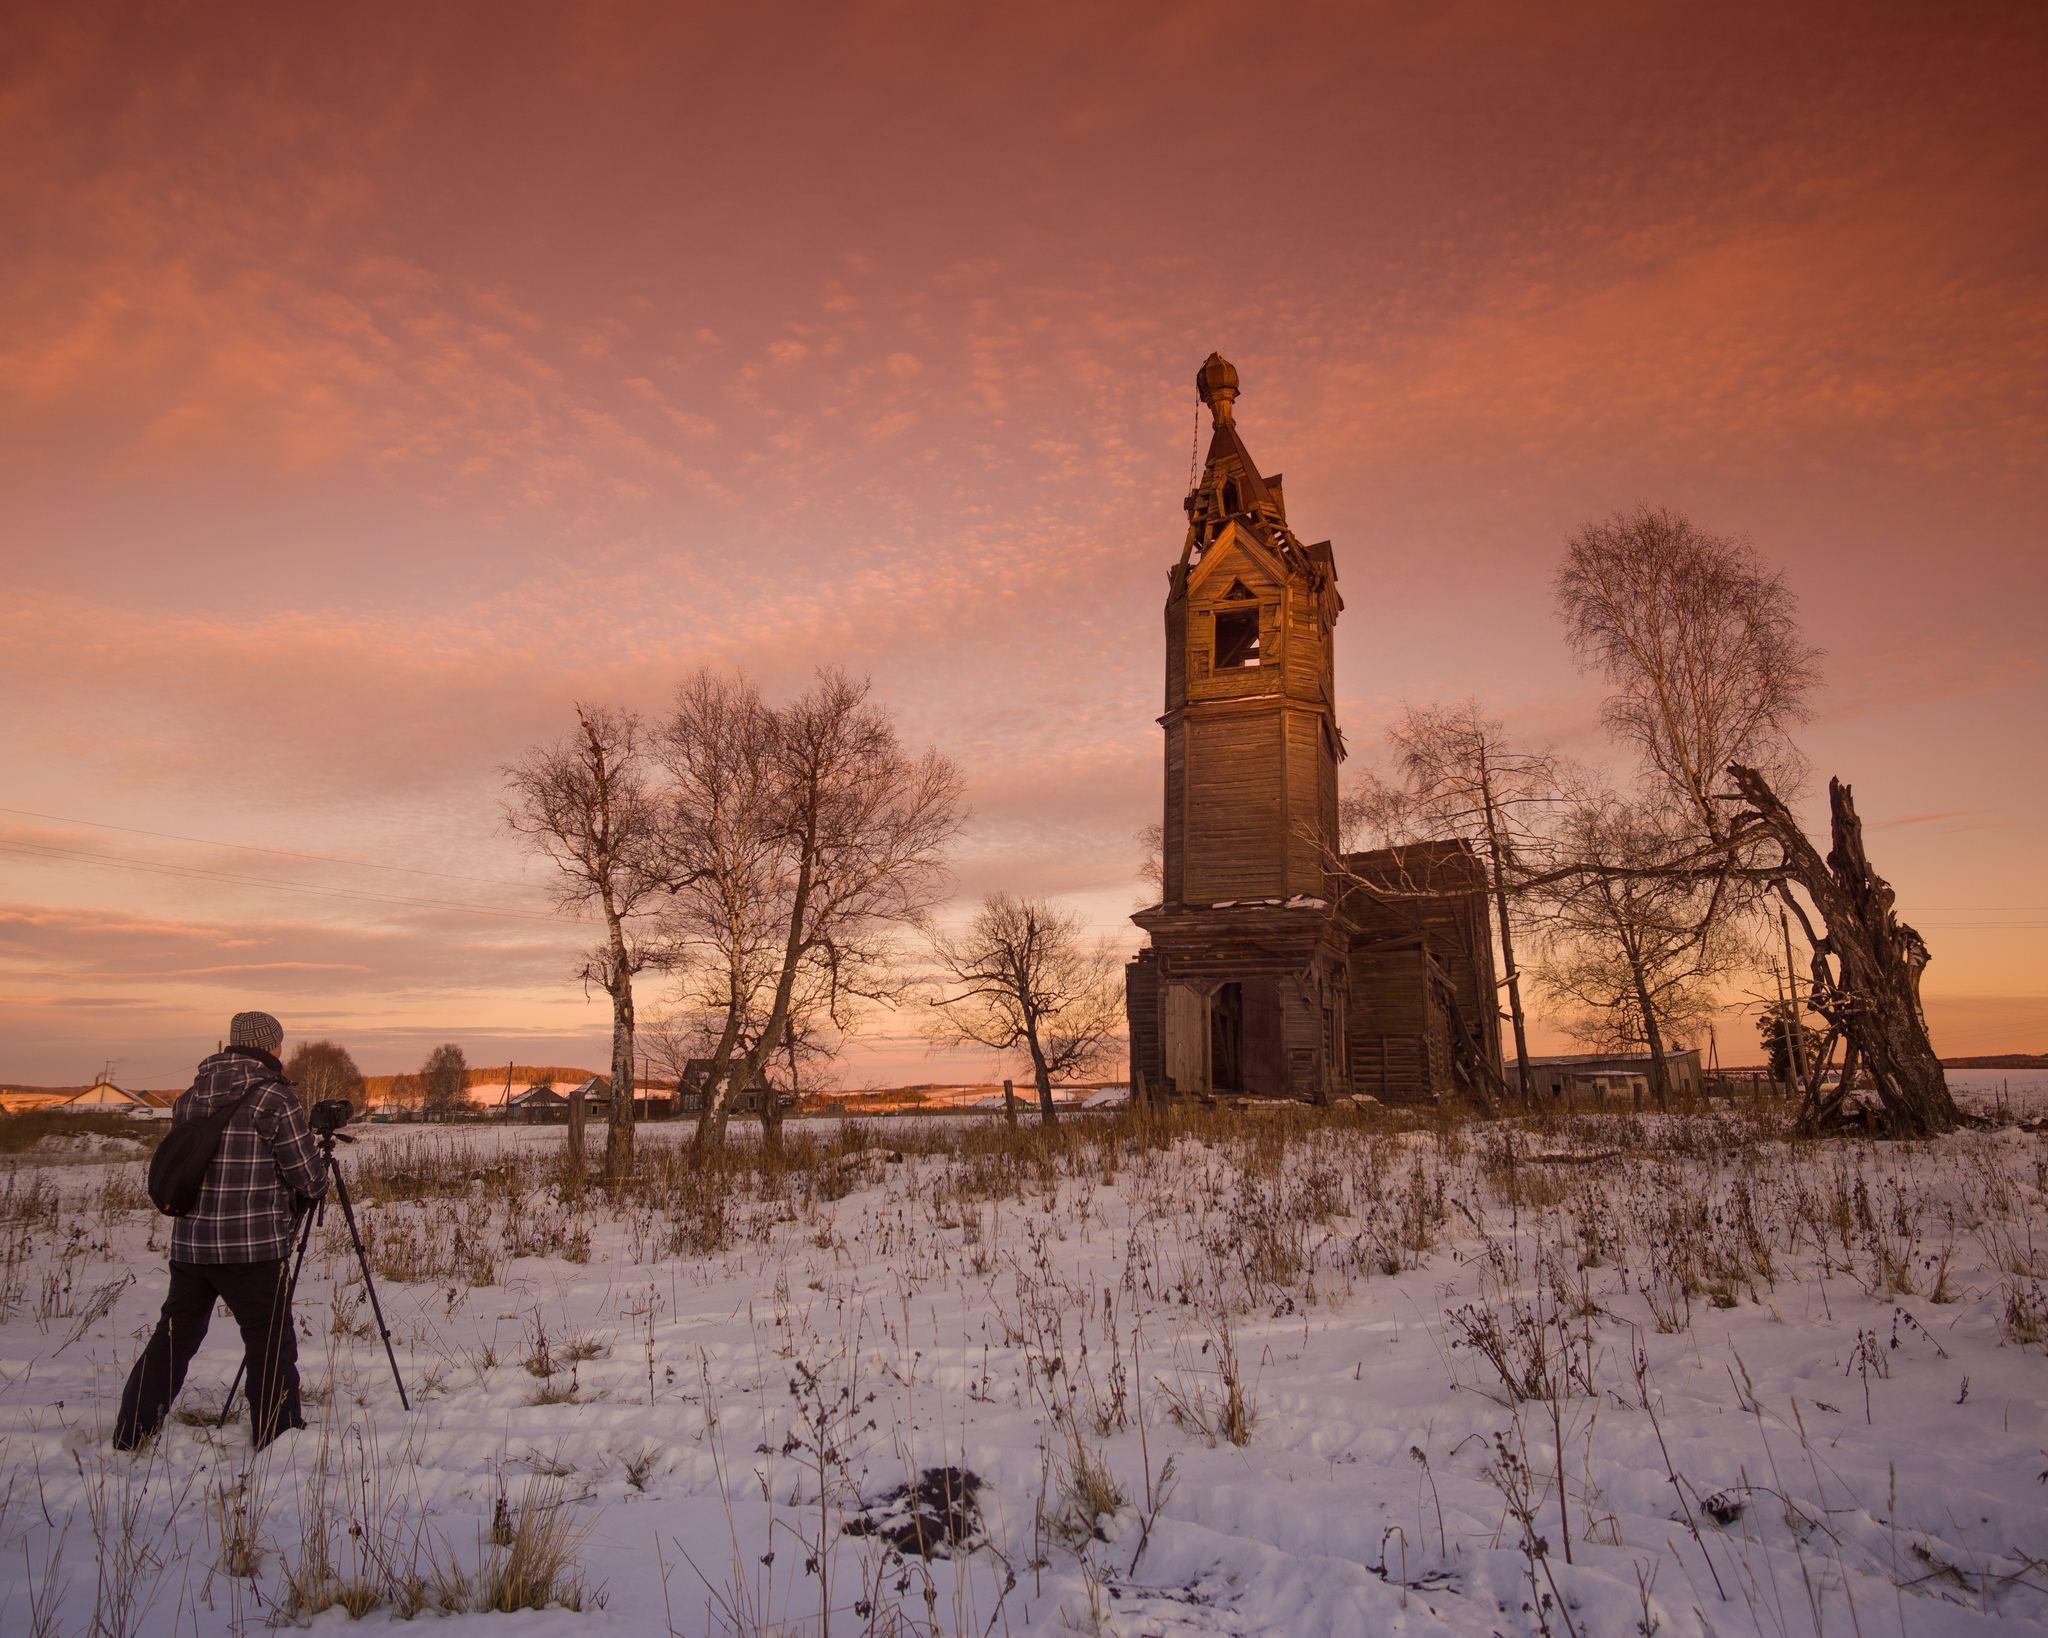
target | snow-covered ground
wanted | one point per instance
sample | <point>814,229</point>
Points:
<point>2023,1092</point>
<point>1263,1376</point>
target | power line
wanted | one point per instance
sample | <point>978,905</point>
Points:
<point>194,872</point>
<point>253,847</point>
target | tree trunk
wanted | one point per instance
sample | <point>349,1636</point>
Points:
<point>1875,997</point>
<point>1010,1105</point>
<point>618,1137</point>
<point>710,1133</point>
<point>1514,976</point>
<point>1653,1037</point>
<point>795,946</point>
<point>1507,937</point>
<point>1045,1110</point>
<point>1810,1104</point>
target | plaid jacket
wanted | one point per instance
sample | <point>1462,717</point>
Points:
<point>244,1213</point>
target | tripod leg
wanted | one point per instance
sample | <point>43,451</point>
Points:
<point>298,1262</point>
<point>348,1212</point>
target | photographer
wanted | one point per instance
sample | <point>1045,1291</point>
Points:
<point>232,1246</point>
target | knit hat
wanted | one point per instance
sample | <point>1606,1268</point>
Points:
<point>258,1030</point>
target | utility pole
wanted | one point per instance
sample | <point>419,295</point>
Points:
<point>1792,983</point>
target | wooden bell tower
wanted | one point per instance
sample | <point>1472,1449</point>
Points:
<point>1244,986</point>
<point>1251,732</point>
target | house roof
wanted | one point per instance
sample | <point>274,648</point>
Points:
<point>106,1095</point>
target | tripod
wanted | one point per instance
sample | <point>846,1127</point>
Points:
<point>328,1139</point>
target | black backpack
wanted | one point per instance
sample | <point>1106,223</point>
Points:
<point>177,1171</point>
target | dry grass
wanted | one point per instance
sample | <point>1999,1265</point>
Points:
<point>540,1565</point>
<point>366,1543</point>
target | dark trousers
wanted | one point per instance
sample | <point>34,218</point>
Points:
<point>255,1295</point>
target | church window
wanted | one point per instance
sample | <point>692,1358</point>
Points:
<point>1237,638</point>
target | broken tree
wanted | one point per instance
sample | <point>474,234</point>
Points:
<point>1866,962</point>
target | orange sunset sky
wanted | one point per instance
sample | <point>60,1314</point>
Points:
<point>378,379</point>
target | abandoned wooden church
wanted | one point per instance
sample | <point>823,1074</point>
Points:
<point>1278,966</point>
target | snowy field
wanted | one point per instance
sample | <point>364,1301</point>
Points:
<point>1248,1374</point>
<point>2023,1092</point>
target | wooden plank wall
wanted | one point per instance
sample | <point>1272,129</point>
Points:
<point>1174,829</point>
<point>1184,1047</point>
<point>1234,809</point>
<point>1176,652</point>
<point>1304,1017</point>
<point>1304,649</point>
<point>1308,819</point>
<point>1457,922</point>
<point>1141,1016</point>
<point>1393,1068</point>
<point>1390,1027</point>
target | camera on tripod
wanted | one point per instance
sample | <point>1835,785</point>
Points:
<point>327,1118</point>
<point>330,1115</point>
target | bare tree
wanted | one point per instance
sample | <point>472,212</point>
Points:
<point>1465,778</point>
<point>444,1078</point>
<point>725,860</point>
<point>1631,952</point>
<point>1866,962</point>
<point>854,829</point>
<point>584,804</point>
<point>1021,978</point>
<point>1701,644</point>
<point>324,1069</point>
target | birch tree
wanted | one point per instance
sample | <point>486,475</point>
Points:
<point>855,831</point>
<point>1701,645</point>
<point>585,805</point>
<point>324,1069</point>
<point>725,864</point>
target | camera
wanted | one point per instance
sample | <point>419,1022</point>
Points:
<point>330,1114</point>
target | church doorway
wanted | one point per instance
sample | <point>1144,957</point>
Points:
<point>1247,1039</point>
<point>1226,1038</point>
